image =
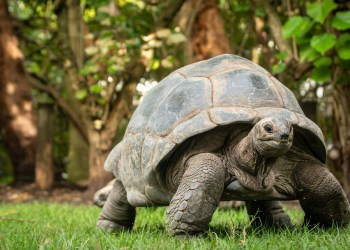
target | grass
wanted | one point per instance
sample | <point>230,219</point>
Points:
<point>65,226</point>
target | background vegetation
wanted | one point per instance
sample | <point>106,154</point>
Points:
<point>72,72</point>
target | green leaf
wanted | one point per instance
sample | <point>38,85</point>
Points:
<point>320,10</point>
<point>323,61</point>
<point>91,50</point>
<point>343,46</point>
<point>278,68</point>
<point>95,89</point>
<point>260,12</point>
<point>282,55</point>
<point>114,68</point>
<point>307,53</point>
<point>323,42</point>
<point>89,67</point>
<point>163,33</point>
<point>81,94</point>
<point>34,67</point>
<point>341,20</point>
<point>101,100</point>
<point>321,74</point>
<point>155,64</point>
<point>296,26</point>
<point>176,38</point>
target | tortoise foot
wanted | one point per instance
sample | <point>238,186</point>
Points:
<point>281,220</point>
<point>110,226</point>
<point>267,213</point>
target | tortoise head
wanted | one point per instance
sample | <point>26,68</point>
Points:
<point>272,137</point>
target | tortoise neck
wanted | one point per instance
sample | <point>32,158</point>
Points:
<point>250,167</point>
<point>246,156</point>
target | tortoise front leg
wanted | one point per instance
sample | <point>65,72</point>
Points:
<point>197,196</point>
<point>321,196</point>
<point>268,213</point>
<point>117,214</point>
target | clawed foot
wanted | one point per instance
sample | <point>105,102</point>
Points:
<point>281,220</point>
<point>277,221</point>
<point>110,226</point>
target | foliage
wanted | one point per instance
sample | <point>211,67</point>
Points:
<point>57,226</point>
<point>322,36</point>
<point>112,42</point>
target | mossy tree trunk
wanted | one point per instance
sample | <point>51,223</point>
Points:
<point>44,169</point>
<point>77,167</point>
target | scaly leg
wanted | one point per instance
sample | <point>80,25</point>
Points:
<point>197,196</point>
<point>117,214</point>
<point>321,196</point>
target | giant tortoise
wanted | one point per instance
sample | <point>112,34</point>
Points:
<point>221,129</point>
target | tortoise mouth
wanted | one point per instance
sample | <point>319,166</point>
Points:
<point>276,143</point>
<point>273,147</point>
<point>281,140</point>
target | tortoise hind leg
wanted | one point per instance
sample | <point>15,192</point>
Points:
<point>117,214</point>
<point>268,213</point>
<point>197,196</point>
<point>321,196</point>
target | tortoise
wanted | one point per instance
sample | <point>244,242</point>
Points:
<point>221,129</point>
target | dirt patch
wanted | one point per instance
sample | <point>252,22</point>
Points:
<point>29,193</point>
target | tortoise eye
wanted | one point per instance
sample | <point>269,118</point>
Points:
<point>268,128</point>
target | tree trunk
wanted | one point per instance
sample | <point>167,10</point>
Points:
<point>44,170</point>
<point>99,150</point>
<point>205,38</point>
<point>71,35</point>
<point>209,37</point>
<point>16,113</point>
<point>77,167</point>
<point>341,109</point>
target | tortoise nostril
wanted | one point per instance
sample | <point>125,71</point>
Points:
<point>284,136</point>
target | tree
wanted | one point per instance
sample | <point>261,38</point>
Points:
<point>17,120</point>
<point>96,57</point>
<point>204,39</point>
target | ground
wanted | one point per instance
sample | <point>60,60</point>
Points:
<point>28,192</point>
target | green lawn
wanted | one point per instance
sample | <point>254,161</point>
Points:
<point>64,226</point>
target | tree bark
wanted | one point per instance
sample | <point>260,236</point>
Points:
<point>71,34</point>
<point>17,121</point>
<point>44,170</point>
<point>206,39</point>
<point>99,150</point>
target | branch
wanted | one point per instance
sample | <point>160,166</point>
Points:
<point>40,84</point>
<point>276,30</point>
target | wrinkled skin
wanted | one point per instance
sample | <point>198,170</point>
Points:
<point>260,166</point>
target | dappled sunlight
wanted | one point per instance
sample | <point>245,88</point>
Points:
<point>11,45</point>
<point>25,127</point>
<point>10,88</point>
